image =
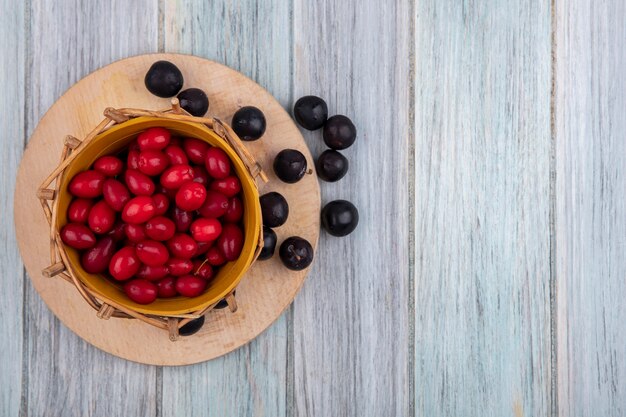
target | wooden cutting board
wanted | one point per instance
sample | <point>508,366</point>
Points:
<point>266,289</point>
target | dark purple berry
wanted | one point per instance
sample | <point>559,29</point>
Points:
<point>331,166</point>
<point>249,123</point>
<point>164,79</point>
<point>269,244</point>
<point>340,217</point>
<point>296,253</point>
<point>192,327</point>
<point>223,303</point>
<point>274,209</point>
<point>310,112</point>
<point>290,165</point>
<point>339,132</point>
<point>194,100</point>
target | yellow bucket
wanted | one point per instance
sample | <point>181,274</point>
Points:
<point>114,140</point>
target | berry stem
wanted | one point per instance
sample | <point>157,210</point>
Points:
<point>201,265</point>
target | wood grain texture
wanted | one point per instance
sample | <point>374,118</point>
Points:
<point>482,235</point>
<point>590,126</point>
<point>68,40</point>
<point>251,36</point>
<point>12,70</point>
<point>482,205</point>
<point>351,321</point>
<point>250,381</point>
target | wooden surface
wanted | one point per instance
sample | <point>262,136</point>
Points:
<point>482,209</point>
<point>590,128</point>
<point>267,287</point>
<point>12,323</point>
<point>487,274</point>
<point>351,354</point>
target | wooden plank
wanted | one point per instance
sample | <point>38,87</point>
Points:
<point>11,146</point>
<point>591,206</point>
<point>66,376</point>
<point>351,320</point>
<point>250,381</point>
<point>253,37</point>
<point>482,195</point>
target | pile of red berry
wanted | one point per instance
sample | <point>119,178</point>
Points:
<point>161,216</point>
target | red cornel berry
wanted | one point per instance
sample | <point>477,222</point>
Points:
<point>160,228</point>
<point>202,269</point>
<point>141,291</point>
<point>118,232</point>
<point>109,165</point>
<point>182,219</point>
<point>158,218</point>
<point>229,186</point>
<point>215,205</point>
<point>190,196</point>
<point>176,155</point>
<point>190,285</point>
<point>133,159</point>
<point>178,266</point>
<point>201,176</point>
<point>161,204</point>
<point>87,184</point>
<point>152,253</point>
<point>167,287</point>
<point>155,138</point>
<point>139,183</point>
<point>135,232</point>
<point>230,241</point>
<point>152,273</point>
<point>138,210</point>
<point>196,150</point>
<point>175,176</point>
<point>101,217</point>
<point>115,194</point>
<point>182,246</point>
<point>235,210</point>
<point>152,162</point>
<point>96,259</point>
<point>217,163</point>
<point>124,264</point>
<point>77,236</point>
<point>205,230</point>
<point>78,210</point>
<point>215,257</point>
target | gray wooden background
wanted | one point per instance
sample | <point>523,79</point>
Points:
<point>488,274</point>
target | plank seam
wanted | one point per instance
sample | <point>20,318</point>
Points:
<point>411,185</point>
<point>161,27</point>
<point>290,373</point>
<point>25,337</point>
<point>552,218</point>
<point>25,328</point>
<point>159,391</point>
<point>290,376</point>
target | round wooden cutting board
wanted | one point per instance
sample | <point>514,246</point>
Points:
<point>267,288</point>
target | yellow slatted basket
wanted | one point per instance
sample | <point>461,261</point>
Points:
<point>113,134</point>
